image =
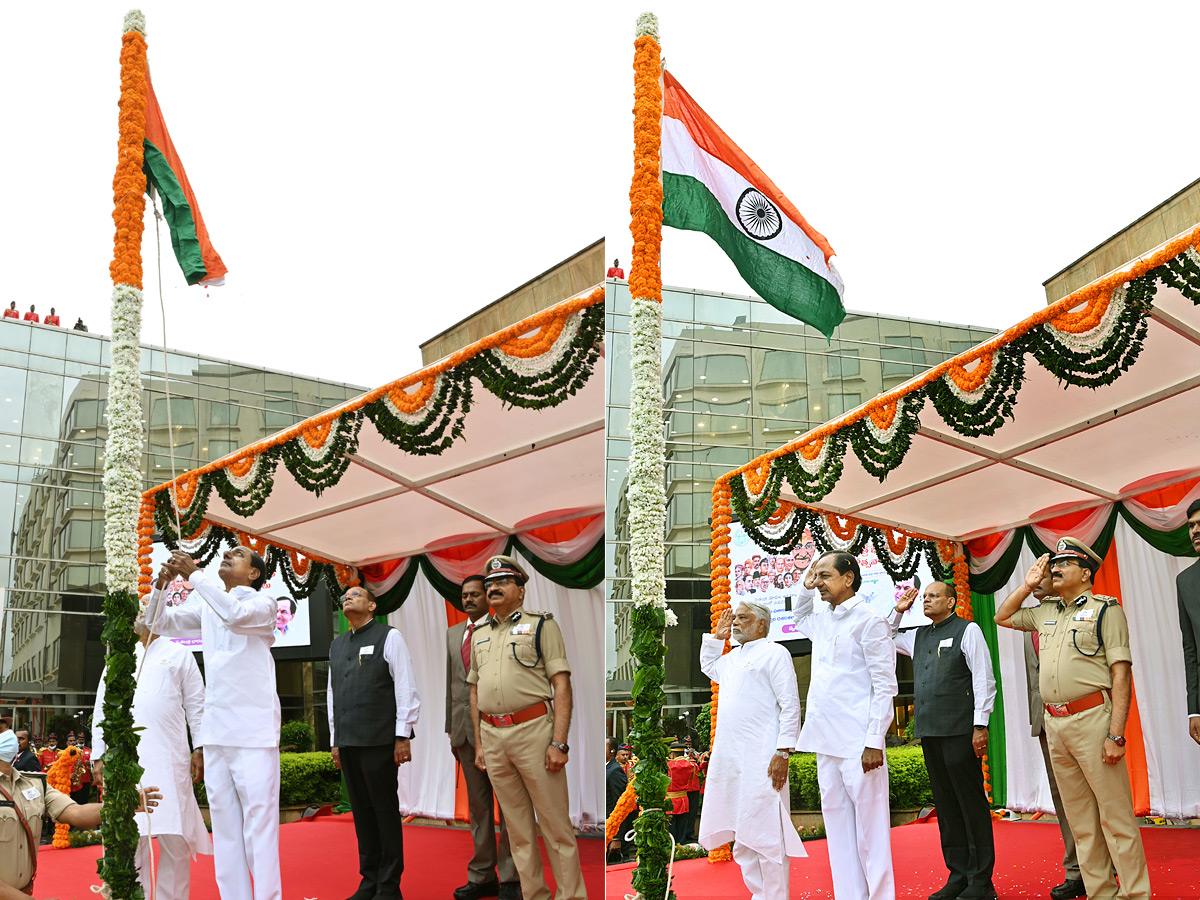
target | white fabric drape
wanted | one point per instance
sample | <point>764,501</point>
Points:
<point>1165,519</point>
<point>1028,786</point>
<point>426,785</point>
<point>382,587</point>
<point>983,563</point>
<point>457,570</point>
<point>1148,595</point>
<point>1087,530</point>
<point>565,552</point>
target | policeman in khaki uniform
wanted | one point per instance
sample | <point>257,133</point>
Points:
<point>1086,685</point>
<point>518,666</point>
<point>25,799</point>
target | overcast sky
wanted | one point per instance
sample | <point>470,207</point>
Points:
<point>373,173</point>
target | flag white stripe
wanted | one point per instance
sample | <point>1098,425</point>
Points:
<point>681,156</point>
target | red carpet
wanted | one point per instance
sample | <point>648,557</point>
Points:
<point>319,858</point>
<point>1028,864</point>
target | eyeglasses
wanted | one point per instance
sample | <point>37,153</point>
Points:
<point>501,580</point>
<point>1064,563</point>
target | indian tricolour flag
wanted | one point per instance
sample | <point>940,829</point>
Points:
<point>200,262</point>
<point>710,185</point>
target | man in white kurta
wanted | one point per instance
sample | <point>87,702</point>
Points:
<point>169,700</point>
<point>746,799</point>
<point>240,731</point>
<point>849,709</point>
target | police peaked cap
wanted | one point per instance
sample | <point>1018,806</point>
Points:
<point>504,565</point>
<point>1072,548</point>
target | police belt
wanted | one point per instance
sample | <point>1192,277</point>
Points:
<point>31,842</point>
<point>528,714</point>
<point>1091,701</point>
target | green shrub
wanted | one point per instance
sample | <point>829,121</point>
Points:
<point>908,729</point>
<point>703,728</point>
<point>908,779</point>
<point>308,779</point>
<point>297,735</point>
<point>84,837</point>
<point>305,779</point>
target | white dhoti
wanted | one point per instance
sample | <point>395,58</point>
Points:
<point>243,798</point>
<point>167,701</point>
<point>173,867</point>
<point>760,713</point>
<point>857,814</point>
<point>765,878</point>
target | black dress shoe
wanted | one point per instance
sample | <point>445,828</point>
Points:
<point>978,892</point>
<point>510,890</point>
<point>1069,889</point>
<point>949,892</point>
<point>473,890</point>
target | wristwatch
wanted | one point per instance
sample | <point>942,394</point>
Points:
<point>782,754</point>
<point>563,747</point>
<point>1119,741</point>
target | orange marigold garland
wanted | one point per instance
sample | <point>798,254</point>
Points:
<point>626,804</point>
<point>126,521</point>
<point>59,777</point>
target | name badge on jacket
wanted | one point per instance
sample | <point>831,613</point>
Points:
<point>366,651</point>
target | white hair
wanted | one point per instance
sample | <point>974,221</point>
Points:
<point>761,610</point>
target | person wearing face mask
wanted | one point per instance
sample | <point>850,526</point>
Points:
<point>746,800</point>
<point>25,800</point>
<point>1086,682</point>
<point>521,709</point>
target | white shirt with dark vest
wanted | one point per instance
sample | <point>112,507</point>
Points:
<point>372,692</point>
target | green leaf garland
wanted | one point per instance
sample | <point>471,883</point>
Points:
<point>121,769</point>
<point>441,425</point>
<point>246,501</point>
<point>880,452</point>
<point>982,415</point>
<point>317,470</point>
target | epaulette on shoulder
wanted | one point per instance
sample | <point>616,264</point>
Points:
<point>538,612</point>
<point>1104,598</point>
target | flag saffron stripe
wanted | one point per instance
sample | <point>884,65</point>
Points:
<point>679,105</point>
<point>787,285</point>
<point>213,269</point>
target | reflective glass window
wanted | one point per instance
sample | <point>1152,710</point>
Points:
<point>784,365</point>
<point>182,412</point>
<point>837,404</point>
<point>82,348</point>
<point>14,336</point>
<point>48,342</point>
<point>43,405</point>
<point>843,363</point>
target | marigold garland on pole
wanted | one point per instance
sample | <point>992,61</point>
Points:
<point>647,495</point>
<point>124,517</point>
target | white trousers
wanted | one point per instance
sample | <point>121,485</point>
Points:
<point>854,805</point>
<point>243,801</point>
<point>173,869</point>
<point>765,879</point>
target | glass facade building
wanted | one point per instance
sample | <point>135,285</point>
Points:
<point>739,378</point>
<point>53,393</point>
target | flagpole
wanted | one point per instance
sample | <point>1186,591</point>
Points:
<point>124,570</point>
<point>647,493</point>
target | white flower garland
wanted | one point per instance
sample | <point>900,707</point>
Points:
<point>417,417</point>
<point>815,465</point>
<point>243,482</point>
<point>647,458</point>
<point>885,435</point>
<point>1089,340</point>
<point>833,541</point>
<point>135,20</point>
<point>547,361</point>
<point>123,448</point>
<point>980,393</point>
<point>318,454</point>
<point>775,532</point>
<point>647,23</point>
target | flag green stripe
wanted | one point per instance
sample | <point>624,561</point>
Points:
<point>178,213</point>
<point>786,284</point>
<point>983,607</point>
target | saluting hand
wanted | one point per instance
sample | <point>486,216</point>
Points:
<point>1037,571</point>
<point>904,604</point>
<point>724,626</point>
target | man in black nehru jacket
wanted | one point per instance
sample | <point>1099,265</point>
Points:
<point>373,708</point>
